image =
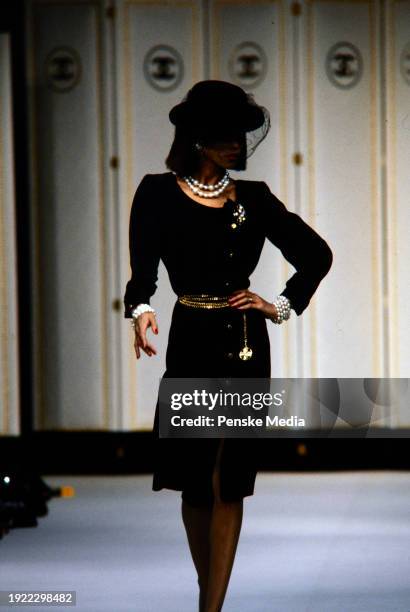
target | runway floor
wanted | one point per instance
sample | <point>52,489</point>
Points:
<point>311,542</point>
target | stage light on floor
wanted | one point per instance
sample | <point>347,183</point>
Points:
<point>67,491</point>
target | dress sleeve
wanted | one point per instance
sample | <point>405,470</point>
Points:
<point>301,246</point>
<point>144,248</point>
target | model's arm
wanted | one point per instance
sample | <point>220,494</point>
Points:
<point>143,246</point>
<point>301,246</point>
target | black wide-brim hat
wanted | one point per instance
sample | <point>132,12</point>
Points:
<point>218,106</point>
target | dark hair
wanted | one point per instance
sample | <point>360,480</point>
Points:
<point>184,159</point>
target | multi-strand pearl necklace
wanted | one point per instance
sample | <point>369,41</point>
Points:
<point>208,191</point>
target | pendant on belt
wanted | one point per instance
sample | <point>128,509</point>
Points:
<point>246,352</point>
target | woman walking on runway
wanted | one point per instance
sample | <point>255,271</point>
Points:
<point>209,230</point>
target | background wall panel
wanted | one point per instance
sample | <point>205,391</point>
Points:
<point>398,182</point>
<point>341,183</point>
<point>71,376</point>
<point>9,350</point>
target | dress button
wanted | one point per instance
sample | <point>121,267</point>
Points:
<point>230,355</point>
<point>229,326</point>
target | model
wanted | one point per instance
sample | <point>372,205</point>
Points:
<point>209,230</point>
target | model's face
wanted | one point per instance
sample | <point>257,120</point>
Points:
<point>224,151</point>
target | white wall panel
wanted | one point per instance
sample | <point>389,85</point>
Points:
<point>397,215</point>
<point>9,364</point>
<point>341,184</point>
<point>68,201</point>
<point>398,183</point>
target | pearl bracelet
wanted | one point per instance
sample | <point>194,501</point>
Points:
<point>283,307</point>
<point>139,310</point>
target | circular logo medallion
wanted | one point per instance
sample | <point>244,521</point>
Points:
<point>163,68</point>
<point>247,64</point>
<point>344,65</point>
<point>62,69</point>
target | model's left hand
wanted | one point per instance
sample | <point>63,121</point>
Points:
<point>244,299</point>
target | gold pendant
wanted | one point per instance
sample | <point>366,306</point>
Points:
<point>245,353</point>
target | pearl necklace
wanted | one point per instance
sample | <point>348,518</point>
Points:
<point>208,191</point>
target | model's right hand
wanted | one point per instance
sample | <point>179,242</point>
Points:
<point>145,320</point>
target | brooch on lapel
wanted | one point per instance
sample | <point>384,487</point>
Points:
<point>239,215</point>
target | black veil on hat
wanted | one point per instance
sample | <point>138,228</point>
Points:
<point>218,110</point>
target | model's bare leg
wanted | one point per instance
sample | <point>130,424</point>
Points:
<point>224,535</point>
<point>197,523</point>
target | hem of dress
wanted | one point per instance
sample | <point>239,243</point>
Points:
<point>236,498</point>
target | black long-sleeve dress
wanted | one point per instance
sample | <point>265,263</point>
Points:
<point>204,254</point>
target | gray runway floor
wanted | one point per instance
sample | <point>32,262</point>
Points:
<point>326,542</point>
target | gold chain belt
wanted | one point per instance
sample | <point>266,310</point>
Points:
<point>206,300</point>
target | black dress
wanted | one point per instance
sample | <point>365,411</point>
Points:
<point>204,254</point>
